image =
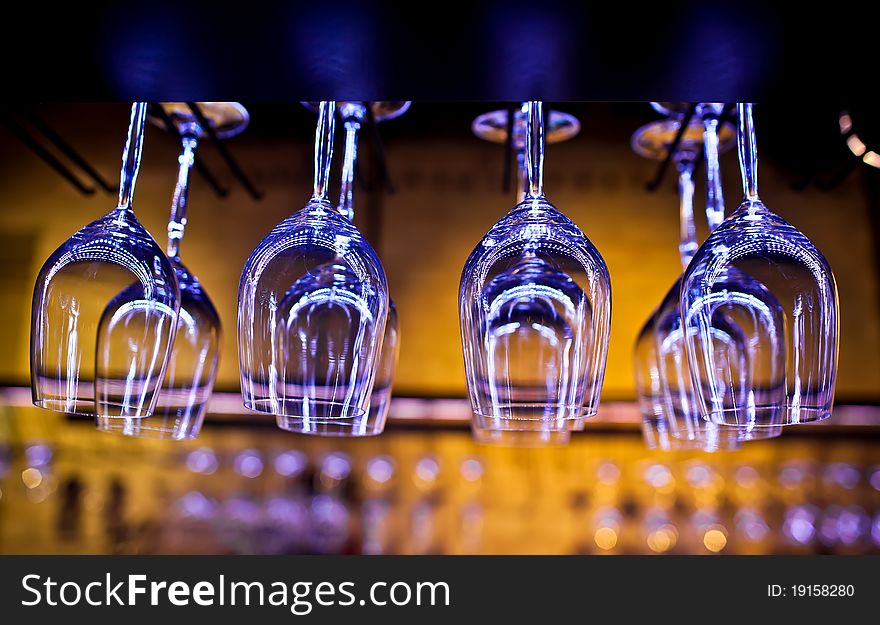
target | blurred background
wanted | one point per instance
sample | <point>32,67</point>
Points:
<point>424,486</point>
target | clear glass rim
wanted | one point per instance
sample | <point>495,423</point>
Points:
<point>509,423</point>
<point>54,405</point>
<point>789,416</point>
<point>264,406</point>
<point>552,412</point>
<point>147,430</point>
<point>737,433</point>
<point>366,425</point>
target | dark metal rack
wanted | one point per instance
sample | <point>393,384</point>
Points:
<point>159,112</point>
<point>233,165</point>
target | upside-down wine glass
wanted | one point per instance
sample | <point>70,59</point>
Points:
<point>114,373</point>
<point>789,383</point>
<point>493,126</point>
<point>195,355</point>
<point>353,114</point>
<point>744,342</point>
<point>535,307</point>
<point>657,403</point>
<point>313,302</point>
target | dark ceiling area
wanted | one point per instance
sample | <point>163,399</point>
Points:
<point>550,50</point>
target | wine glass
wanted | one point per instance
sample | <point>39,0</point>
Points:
<point>195,355</point>
<point>353,115</point>
<point>745,339</point>
<point>662,386</point>
<point>535,308</point>
<point>748,341</point>
<point>790,382</point>
<point>313,304</point>
<point>116,372</point>
<point>493,126</point>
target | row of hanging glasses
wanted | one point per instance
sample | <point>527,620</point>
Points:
<point>126,334</point>
<point>744,343</point>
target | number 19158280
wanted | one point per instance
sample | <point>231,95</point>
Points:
<point>811,590</point>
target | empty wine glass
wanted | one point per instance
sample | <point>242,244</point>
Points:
<point>195,355</point>
<point>313,304</point>
<point>353,115</point>
<point>747,340</point>
<point>790,382</point>
<point>746,337</point>
<point>535,306</point>
<point>493,126</point>
<point>115,372</point>
<point>663,386</point>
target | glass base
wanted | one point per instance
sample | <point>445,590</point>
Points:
<point>492,126</point>
<point>226,118</point>
<point>654,140</point>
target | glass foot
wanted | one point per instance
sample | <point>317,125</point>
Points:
<point>492,126</point>
<point>226,118</point>
<point>654,140</point>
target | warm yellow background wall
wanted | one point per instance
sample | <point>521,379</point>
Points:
<point>447,196</point>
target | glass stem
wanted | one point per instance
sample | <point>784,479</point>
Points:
<point>687,247</point>
<point>131,157</point>
<point>349,163</point>
<point>714,190</point>
<point>535,148</point>
<point>324,148</point>
<point>748,151</point>
<point>177,221</point>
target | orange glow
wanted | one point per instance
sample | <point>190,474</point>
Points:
<point>715,538</point>
<point>31,478</point>
<point>855,145</point>
<point>606,538</point>
<point>872,159</point>
<point>663,539</point>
